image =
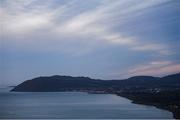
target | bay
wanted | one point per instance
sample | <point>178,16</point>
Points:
<point>73,105</point>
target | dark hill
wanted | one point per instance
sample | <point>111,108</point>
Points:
<point>68,83</point>
<point>58,83</point>
<point>171,79</point>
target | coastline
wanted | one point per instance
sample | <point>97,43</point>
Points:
<point>173,110</point>
<point>163,93</point>
<point>133,99</point>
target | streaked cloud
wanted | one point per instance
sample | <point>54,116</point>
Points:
<point>124,29</point>
<point>24,17</point>
<point>155,68</point>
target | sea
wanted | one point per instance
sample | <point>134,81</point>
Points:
<point>73,105</point>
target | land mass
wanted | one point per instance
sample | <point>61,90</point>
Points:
<point>161,92</point>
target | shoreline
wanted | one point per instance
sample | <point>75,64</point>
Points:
<point>174,111</point>
<point>133,99</point>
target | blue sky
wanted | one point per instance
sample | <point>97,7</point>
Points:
<point>103,39</point>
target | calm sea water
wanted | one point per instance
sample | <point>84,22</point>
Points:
<point>73,105</point>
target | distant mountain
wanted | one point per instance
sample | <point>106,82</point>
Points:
<point>171,79</point>
<point>68,83</point>
<point>58,83</point>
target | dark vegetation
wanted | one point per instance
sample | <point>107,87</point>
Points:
<point>165,99</point>
<point>161,92</point>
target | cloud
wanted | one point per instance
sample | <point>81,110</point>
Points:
<point>28,18</point>
<point>96,38</point>
<point>155,68</point>
<point>160,48</point>
<point>26,23</point>
<point>18,18</point>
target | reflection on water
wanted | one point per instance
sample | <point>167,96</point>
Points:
<point>71,105</point>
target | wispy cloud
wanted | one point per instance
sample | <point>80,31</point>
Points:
<point>25,17</point>
<point>118,34</point>
<point>155,68</point>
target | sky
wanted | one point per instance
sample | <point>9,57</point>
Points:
<point>102,39</point>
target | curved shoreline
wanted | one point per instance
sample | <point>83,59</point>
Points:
<point>174,111</point>
<point>163,92</point>
<point>175,114</point>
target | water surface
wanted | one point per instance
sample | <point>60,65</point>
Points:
<point>73,105</point>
